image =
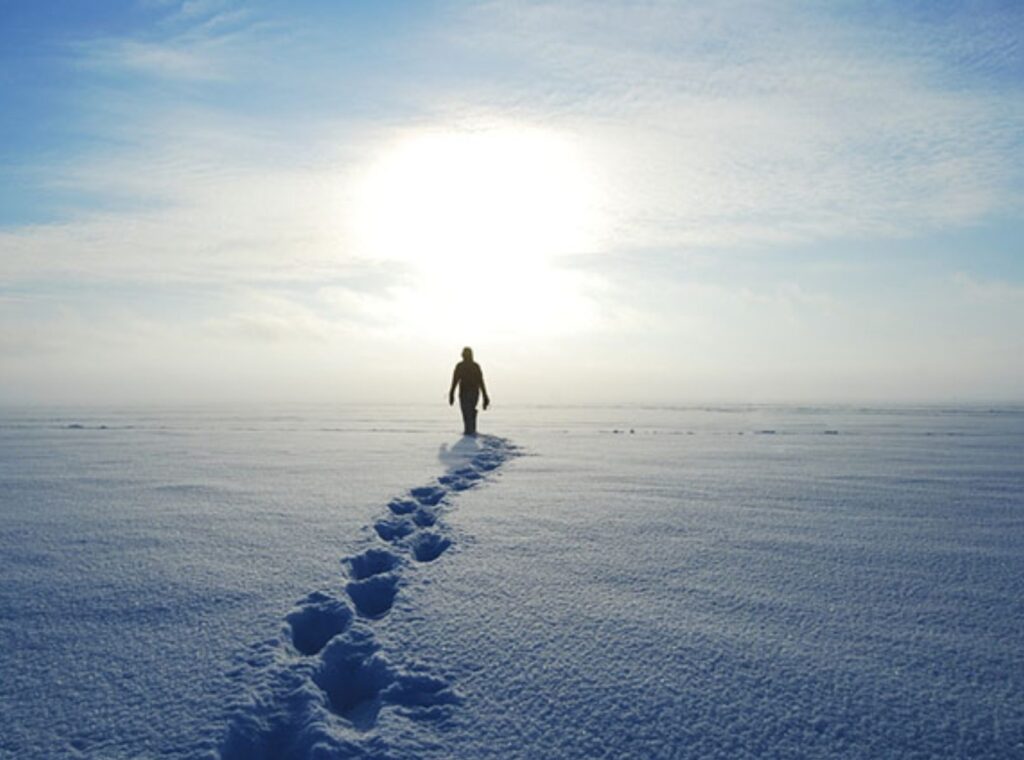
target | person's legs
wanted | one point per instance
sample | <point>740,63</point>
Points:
<point>468,404</point>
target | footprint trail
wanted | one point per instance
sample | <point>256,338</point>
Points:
<point>321,687</point>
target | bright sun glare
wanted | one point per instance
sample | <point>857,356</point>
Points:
<point>481,216</point>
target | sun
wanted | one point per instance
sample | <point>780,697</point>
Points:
<point>481,217</point>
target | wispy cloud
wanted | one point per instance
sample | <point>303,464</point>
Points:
<point>160,59</point>
<point>752,122</point>
<point>194,42</point>
<point>990,291</point>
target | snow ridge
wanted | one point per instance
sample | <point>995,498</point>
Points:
<point>322,686</point>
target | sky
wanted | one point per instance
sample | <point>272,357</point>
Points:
<point>206,201</point>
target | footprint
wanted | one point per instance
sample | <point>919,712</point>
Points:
<point>424,517</point>
<point>402,506</point>
<point>428,496</point>
<point>455,483</point>
<point>468,473</point>
<point>486,462</point>
<point>394,530</point>
<point>371,562</point>
<point>318,619</point>
<point>424,697</point>
<point>354,675</point>
<point>429,545</point>
<point>374,596</point>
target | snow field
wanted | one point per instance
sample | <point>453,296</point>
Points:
<point>644,582</point>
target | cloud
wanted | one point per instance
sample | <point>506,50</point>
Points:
<point>165,60</point>
<point>734,124</point>
<point>990,291</point>
<point>307,315</point>
<point>272,321</point>
<point>747,123</point>
<point>201,41</point>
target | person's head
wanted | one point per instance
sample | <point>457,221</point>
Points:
<point>467,354</point>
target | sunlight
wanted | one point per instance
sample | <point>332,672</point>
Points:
<point>481,216</point>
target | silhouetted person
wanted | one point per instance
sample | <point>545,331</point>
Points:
<point>470,379</point>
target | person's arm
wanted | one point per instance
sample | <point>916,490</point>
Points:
<point>483,389</point>
<point>455,381</point>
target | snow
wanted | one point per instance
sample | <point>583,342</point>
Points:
<point>738,581</point>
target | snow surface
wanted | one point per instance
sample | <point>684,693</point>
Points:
<point>595,582</point>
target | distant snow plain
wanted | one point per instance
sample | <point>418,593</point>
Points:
<point>620,582</point>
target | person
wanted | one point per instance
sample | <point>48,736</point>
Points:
<point>470,379</point>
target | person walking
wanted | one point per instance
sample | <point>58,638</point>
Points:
<point>470,380</point>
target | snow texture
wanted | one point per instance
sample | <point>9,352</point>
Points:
<point>731,582</point>
<point>321,690</point>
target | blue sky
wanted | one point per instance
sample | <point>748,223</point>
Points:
<point>208,200</point>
